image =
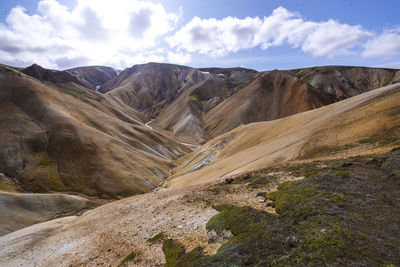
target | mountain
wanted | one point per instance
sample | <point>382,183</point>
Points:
<point>200,104</point>
<point>60,136</point>
<point>93,77</point>
<point>151,86</point>
<point>164,92</point>
<point>277,94</point>
<point>52,76</point>
<point>69,138</point>
<point>316,188</point>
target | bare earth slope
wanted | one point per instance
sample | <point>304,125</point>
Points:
<point>50,76</point>
<point>106,235</point>
<point>150,87</point>
<point>93,77</point>
<point>176,96</point>
<point>21,210</point>
<point>75,139</point>
<point>277,94</point>
<point>204,103</point>
<point>261,144</point>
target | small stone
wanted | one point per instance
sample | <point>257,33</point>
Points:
<point>228,180</point>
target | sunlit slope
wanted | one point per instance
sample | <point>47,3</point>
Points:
<point>276,94</point>
<point>75,139</point>
<point>353,125</point>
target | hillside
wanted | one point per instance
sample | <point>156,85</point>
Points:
<point>339,127</point>
<point>311,188</point>
<point>75,139</point>
<point>20,210</point>
<point>51,76</point>
<point>201,104</point>
<point>277,94</point>
<point>93,77</point>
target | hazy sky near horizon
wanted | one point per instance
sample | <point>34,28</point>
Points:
<point>258,34</point>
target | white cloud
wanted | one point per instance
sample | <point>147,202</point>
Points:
<point>221,37</point>
<point>121,33</point>
<point>94,32</point>
<point>216,37</point>
<point>178,58</point>
<point>386,44</point>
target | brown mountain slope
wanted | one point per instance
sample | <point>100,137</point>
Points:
<point>52,76</point>
<point>21,210</point>
<point>270,96</point>
<point>349,126</point>
<point>110,233</point>
<point>169,93</point>
<point>277,94</point>
<point>151,86</point>
<point>71,139</point>
<point>185,115</point>
<point>211,101</point>
<point>93,77</point>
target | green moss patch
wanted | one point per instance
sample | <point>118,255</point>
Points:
<point>194,97</point>
<point>157,237</point>
<point>45,161</point>
<point>383,138</point>
<point>75,92</point>
<point>7,186</point>
<point>325,150</point>
<point>343,214</point>
<point>343,174</point>
<point>175,254</point>
<point>130,257</point>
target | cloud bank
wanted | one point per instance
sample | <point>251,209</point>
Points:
<point>121,33</point>
<point>118,33</point>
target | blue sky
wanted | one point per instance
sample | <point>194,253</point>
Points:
<point>263,35</point>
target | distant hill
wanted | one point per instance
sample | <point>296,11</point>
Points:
<point>202,103</point>
<point>93,77</point>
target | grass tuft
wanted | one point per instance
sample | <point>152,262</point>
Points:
<point>130,257</point>
<point>157,237</point>
<point>194,98</point>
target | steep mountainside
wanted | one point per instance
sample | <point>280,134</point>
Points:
<point>277,94</point>
<point>93,77</point>
<point>75,139</point>
<point>151,86</point>
<point>169,93</point>
<point>202,103</point>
